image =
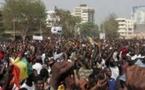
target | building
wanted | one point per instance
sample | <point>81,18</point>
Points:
<point>138,15</point>
<point>85,13</point>
<point>51,18</point>
<point>125,28</point>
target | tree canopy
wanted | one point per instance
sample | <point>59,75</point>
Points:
<point>110,27</point>
<point>89,29</point>
<point>23,15</point>
<point>67,21</point>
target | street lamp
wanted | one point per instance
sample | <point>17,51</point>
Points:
<point>14,28</point>
<point>40,28</point>
<point>77,30</point>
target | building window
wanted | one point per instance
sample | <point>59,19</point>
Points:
<point>85,11</point>
<point>129,33</point>
<point>129,29</point>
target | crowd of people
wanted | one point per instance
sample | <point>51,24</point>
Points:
<point>70,64</point>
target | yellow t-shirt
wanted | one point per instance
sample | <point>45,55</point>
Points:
<point>61,87</point>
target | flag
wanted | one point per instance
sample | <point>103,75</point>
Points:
<point>91,40</point>
<point>16,76</point>
<point>20,70</point>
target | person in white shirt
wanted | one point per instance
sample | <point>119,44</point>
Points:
<point>28,87</point>
<point>38,66</point>
<point>43,56</point>
<point>29,83</point>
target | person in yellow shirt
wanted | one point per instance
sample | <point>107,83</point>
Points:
<point>61,87</point>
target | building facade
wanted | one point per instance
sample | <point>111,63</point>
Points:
<point>85,13</point>
<point>52,18</point>
<point>138,15</point>
<point>125,28</point>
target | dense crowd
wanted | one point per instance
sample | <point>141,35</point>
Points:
<point>69,64</point>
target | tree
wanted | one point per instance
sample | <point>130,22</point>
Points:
<point>68,22</point>
<point>1,23</point>
<point>110,27</point>
<point>23,16</point>
<point>89,29</point>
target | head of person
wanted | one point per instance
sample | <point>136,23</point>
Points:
<point>39,83</point>
<point>108,72</point>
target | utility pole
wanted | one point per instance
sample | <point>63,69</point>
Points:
<point>14,28</point>
<point>40,28</point>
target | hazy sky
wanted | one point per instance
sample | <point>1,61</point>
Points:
<point>103,8</point>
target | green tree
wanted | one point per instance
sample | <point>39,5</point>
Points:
<point>68,22</point>
<point>89,29</point>
<point>110,27</point>
<point>23,16</point>
<point>1,23</point>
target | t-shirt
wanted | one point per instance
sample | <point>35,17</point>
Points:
<point>112,84</point>
<point>61,87</point>
<point>37,67</point>
<point>28,87</point>
<point>115,72</point>
<point>43,56</point>
<point>1,88</point>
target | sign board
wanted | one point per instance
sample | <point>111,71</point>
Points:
<point>102,35</point>
<point>56,30</point>
<point>37,37</point>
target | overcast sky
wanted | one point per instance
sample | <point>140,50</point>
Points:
<point>103,8</point>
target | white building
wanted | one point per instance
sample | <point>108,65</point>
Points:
<point>125,28</point>
<point>85,13</point>
<point>51,18</point>
<point>139,14</point>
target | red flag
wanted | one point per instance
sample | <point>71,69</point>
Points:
<point>16,76</point>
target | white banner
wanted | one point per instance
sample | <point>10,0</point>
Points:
<point>102,35</point>
<point>56,30</point>
<point>37,37</point>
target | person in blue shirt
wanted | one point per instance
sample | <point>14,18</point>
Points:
<point>111,81</point>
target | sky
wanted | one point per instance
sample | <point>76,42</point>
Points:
<point>103,8</point>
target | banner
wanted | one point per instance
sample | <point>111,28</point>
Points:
<point>102,35</point>
<point>56,30</point>
<point>37,37</point>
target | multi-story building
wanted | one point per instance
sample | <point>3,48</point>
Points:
<point>85,13</point>
<point>52,18</point>
<point>125,28</point>
<point>138,15</point>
